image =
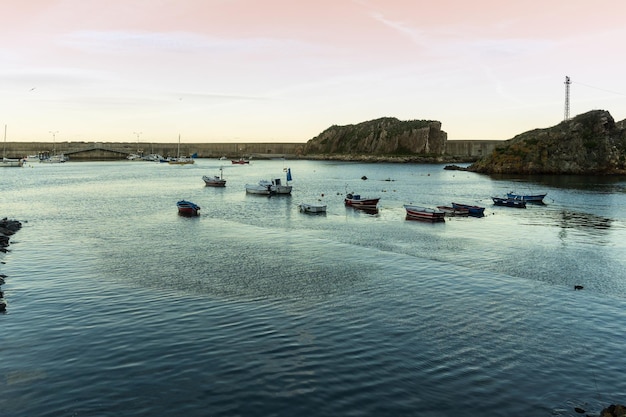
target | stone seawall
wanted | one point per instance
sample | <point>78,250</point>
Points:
<point>471,149</point>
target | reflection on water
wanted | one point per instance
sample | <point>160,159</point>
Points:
<point>585,227</point>
<point>570,219</point>
<point>595,183</point>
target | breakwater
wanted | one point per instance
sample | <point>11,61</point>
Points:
<point>90,151</point>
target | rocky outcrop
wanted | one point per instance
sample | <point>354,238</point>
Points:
<point>7,228</point>
<point>591,143</point>
<point>381,137</point>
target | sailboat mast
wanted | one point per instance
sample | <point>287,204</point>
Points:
<point>4,150</point>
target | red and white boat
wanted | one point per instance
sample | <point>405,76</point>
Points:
<point>424,213</point>
<point>239,161</point>
<point>356,201</point>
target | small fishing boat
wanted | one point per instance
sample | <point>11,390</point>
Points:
<point>508,202</point>
<point>272,187</point>
<point>424,213</point>
<point>239,161</point>
<point>529,198</point>
<point>214,181</point>
<point>475,211</point>
<point>187,208</point>
<point>451,211</point>
<point>356,201</point>
<point>312,208</point>
<point>263,187</point>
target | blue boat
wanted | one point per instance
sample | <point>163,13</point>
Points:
<point>530,198</point>
<point>187,208</point>
<point>508,202</point>
<point>475,211</point>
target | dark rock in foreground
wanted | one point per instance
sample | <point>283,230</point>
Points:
<point>7,228</point>
<point>614,410</point>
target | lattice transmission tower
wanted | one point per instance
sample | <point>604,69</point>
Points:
<point>567,83</point>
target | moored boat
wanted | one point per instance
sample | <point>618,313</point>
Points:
<point>182,160</point>
<point>54,159</point>
<point>11,162</point>
<point>508,202</point>
<point>272,187</point>
<point>451,211</point>
<point>355,200</point>
<point>312,208</point>
<point>529,198</point>
<point>475,211</point>
<point>424,213</point>
<point>263,187</point>
<point>187,208</point>
<point>239,161</point>
<point>214,181</point>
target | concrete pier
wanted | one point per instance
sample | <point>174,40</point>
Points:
<point>103,151</point>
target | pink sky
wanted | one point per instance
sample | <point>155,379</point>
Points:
<point>285,70</point>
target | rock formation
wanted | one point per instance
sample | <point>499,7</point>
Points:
<point>590,143</point>
<point>386,136</point>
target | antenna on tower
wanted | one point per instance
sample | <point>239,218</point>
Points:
<point>567,83</point>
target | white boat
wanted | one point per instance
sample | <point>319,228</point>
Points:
<point>9,162</point>
<point>264,187</point>
<point>279,188</point>
<point>54,159</point>
<point>215,181</point>
<point>272,187</point>
<point>312,208</point>
<point>153,157</point>
<point>183,160</point>
<point>32,158</point>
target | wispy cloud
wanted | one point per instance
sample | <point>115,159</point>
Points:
<point>184,42</point>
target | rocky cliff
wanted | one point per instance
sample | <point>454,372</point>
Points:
<point>385,136</point>
<point>590,143</point>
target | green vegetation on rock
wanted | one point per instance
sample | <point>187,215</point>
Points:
<point>590,143</point>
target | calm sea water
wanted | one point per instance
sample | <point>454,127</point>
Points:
<point>117,306</point>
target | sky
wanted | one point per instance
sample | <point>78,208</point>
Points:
<point>214,71</point>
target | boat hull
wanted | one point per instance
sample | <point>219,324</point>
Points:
<point>475,211</point>
<point>187,208</point>
<point>11,163</point>
<point>356,201</point>
<point>214,181</point>
<point>180,161</point>
<point>451,211</point>
<point>312,208</point>
<point>424,213</point>
<point>508,202</point>
<point>533,198</point>
<point>258,189</point>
